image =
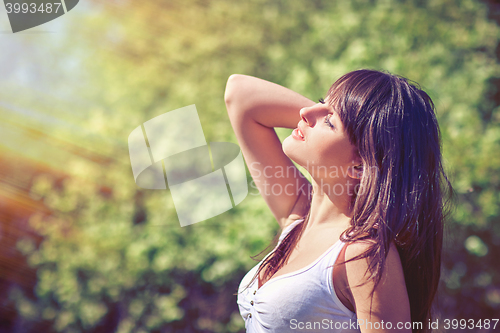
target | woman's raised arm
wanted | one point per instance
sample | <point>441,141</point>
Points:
<point>255,107</point>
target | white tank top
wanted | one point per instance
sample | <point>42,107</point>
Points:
<point>299,301</point>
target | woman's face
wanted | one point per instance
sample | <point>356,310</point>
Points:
<point>320,144</point>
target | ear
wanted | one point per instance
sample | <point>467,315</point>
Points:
<point>356,170</point>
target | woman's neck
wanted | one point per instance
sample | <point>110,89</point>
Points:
<point>330,207</point>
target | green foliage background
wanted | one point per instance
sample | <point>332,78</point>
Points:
<point>114,258</point>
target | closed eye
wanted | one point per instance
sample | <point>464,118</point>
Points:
<point>327,120</point>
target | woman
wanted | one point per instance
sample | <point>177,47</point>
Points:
<point>360,247</point>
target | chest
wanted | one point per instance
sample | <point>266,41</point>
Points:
<point>309,248</point>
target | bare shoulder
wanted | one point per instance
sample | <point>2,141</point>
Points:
<point>389,301</point>
<point>357,269</point>
<point>360,247</point>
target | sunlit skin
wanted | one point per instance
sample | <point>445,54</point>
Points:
<point>319,144</point>
<point>325,143</point>
<point>327,154</point>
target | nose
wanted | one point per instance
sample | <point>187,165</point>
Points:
<point>309,115</point>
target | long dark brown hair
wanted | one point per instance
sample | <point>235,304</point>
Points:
<point>403,190</point>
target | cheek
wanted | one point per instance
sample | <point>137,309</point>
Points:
<point>332,154</point>
<point>317,153</point>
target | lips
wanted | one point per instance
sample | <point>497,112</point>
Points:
<point>301,131</point>
<point>297,134</point>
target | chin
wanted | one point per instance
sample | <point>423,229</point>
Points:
<point>290,150</point>
<point>286,146</point>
